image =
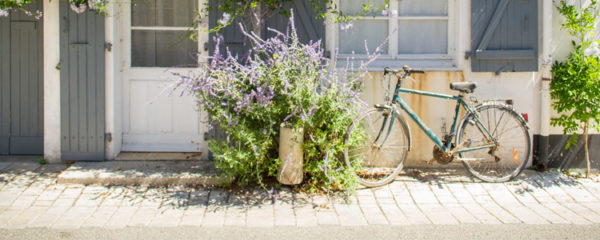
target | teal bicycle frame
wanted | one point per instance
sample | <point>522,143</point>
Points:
<point>459,102</point>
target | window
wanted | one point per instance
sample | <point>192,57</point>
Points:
<point>159,30</point>
<point>418,31</point>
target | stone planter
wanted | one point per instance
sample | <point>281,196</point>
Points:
<point>290,152</point>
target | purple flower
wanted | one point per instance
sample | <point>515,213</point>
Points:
<point>78,7</point>
<point>3,12</point>
<point>225,19</point>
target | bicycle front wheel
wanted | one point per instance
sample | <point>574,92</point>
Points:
<point>511,153</point>
<point>376,143</point>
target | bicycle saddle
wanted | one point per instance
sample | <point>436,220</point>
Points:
<point>466,87</point>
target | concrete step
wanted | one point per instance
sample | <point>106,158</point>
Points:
<point>152,173</point>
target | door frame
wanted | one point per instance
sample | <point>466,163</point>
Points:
<point>120,26</point>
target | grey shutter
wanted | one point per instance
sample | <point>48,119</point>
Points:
<point>21,88</point>
<point>232,36</point>
<point>82,84</point>
<point>504,36</point>
<point>308,26</point>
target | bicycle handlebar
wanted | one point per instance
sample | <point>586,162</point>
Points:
<point>406,69</point>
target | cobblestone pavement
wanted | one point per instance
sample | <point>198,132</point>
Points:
<point>30,198</point>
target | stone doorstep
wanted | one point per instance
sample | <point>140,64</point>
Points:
<point>155,173</point>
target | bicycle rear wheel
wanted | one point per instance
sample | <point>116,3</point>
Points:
<point>376,147</point>
<point>509,157</point>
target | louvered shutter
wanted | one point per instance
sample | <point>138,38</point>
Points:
<point>504,36</point>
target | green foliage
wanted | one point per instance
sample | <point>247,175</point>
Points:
<point>42,161</point>
<point>282,81</point>
<point>233,9</point>
<point>575,86</point>
<point>77,5</point>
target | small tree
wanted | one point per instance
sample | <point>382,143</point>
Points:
<point>575,86</point>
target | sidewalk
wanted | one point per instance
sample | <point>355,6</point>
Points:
<point>31,198</point>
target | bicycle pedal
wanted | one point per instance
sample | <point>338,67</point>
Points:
<point>430,162</point>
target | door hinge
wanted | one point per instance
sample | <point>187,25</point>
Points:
<point>108,46</point>
<point>206,136</point>
<point>206,46</point>
<point>108,137</point>
<point>468,55</point>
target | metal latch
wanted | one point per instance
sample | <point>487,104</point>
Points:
<point>108,46</point>
<point>108,137</point>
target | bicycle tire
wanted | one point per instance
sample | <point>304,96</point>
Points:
<point>375,165</point>
<point>507,160</point>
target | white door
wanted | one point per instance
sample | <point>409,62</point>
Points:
<point>155,44</point>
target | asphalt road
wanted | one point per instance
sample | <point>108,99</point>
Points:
<point>505,231</point>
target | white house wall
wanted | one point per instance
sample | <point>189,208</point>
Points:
<point>561,47</point>
<point>52,134</point>
<point>523,88</point>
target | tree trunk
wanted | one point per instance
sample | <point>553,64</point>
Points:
<point>585,147</point>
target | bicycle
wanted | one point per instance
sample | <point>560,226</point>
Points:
<point>492,139</point>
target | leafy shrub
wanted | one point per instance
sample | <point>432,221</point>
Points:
<point>281,80</point>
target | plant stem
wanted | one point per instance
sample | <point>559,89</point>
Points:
<point>585,146</point>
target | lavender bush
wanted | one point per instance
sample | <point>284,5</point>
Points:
<point>282,80</point>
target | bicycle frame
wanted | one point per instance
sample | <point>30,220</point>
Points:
<point>459,102</point>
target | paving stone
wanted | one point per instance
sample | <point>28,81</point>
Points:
<point>261,216</point>
<point>89,200</point>
<point>169,217</point>
<point>115,197</point>
<point>64,202</point>
<point>393,214</point>
<point>460,193</point>
<point>26,216</point>
<point>8,197</point>
<point>413,213</point>
<point>503,215</point>
<point>72,192</point>
<point>558,194</point>
<point>4,165</point>
<point>541,195</point>
<point>193,216</point>
<point>283,209</point>
<point>483,215</point>
<point>565,213</point>
<point>100,217</point>
<point>121,217</point>
<point>305,213</point>
<point>421,193</point>
<point>522,213</point>
<point>215,211</point>
<point>579,193</point>
<point>52,193</point>
<point>35,189</point>
<point>401,194</point>
<point>437,214</point>
<point>326,216</point>
<point>142,216</point>
<point>10,213</point>
<point>43,203</point>
<point>461,214</point>
<point>261,212</point>
<point>48,218</point>
<point>443,194</point>
<point>546,213</point>
<point>522,192</point>
<point>24,201</point>
<point>236,210</point>
<point>370,208</point>
<point>350,213</point>
<point>592,187</point>
<point>583,211</point>
<point>74,217</point>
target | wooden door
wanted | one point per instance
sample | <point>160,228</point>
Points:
<point>21,88</point>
